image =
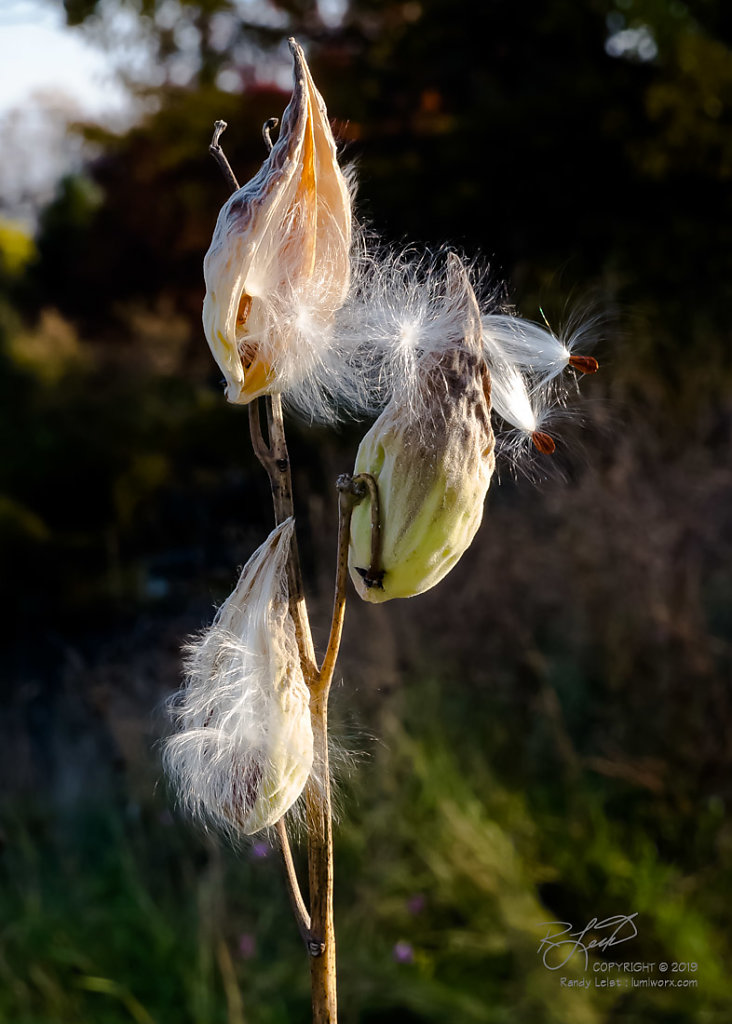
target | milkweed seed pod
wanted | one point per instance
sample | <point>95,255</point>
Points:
<point>278,266</point>
<point>243,747</point>
<point>432,460</point>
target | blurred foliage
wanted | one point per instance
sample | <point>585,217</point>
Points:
<point>578,661</point>
<point>16,250</point>
<point>444,877</point>
<point>509,130</point>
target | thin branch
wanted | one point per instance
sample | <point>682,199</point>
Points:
<point>260,446</point>
<point>220,157</point>
<point>293,886</point>
<point>280,480</point>
<point>276,460</point>
<point>318,810</point>
<point>302,918</point>
<point>349,494</point>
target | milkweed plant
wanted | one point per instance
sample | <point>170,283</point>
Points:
<point>303,307</point>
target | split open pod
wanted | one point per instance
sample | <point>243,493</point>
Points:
<point>243,746</point>
<point>278,265</point>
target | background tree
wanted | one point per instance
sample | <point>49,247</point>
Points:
<point>577,667</point>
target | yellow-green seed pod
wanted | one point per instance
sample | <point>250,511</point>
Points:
<point>432,467</point>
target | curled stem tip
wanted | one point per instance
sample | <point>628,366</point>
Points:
<point>219,129</point>
<point>220,157</point>
<point>374,575</point>
<point>350,489</point>
<point>269,125</point>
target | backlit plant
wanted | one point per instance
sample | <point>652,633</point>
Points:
<point>302,306</point>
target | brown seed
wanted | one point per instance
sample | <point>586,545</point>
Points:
<point>585,364</point>
<point>543,443</point>
<point>248,354</point>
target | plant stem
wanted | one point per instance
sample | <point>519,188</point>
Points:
<point>281,483</point>
<point>321,934</point>
<point>293,886</point>
<point>320,871</point>
<point>320,831</point>
<point>348,496</point>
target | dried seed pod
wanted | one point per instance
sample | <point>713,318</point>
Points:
<point>243,748</point>
<point>278,266</point>
<point>432,461</point>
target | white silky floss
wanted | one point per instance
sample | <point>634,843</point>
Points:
<point>522,407</point>
<point>401,308</point>
<point>243,749</point>
<point>525,359</point>
<point>525,344</point>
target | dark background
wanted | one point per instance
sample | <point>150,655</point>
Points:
<point>543,736</point>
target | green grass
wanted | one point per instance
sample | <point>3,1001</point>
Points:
<point>442,875</point>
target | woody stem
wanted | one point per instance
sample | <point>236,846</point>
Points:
<point>320,935</point>
<point>282,506</point>
<point>349,494</point>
